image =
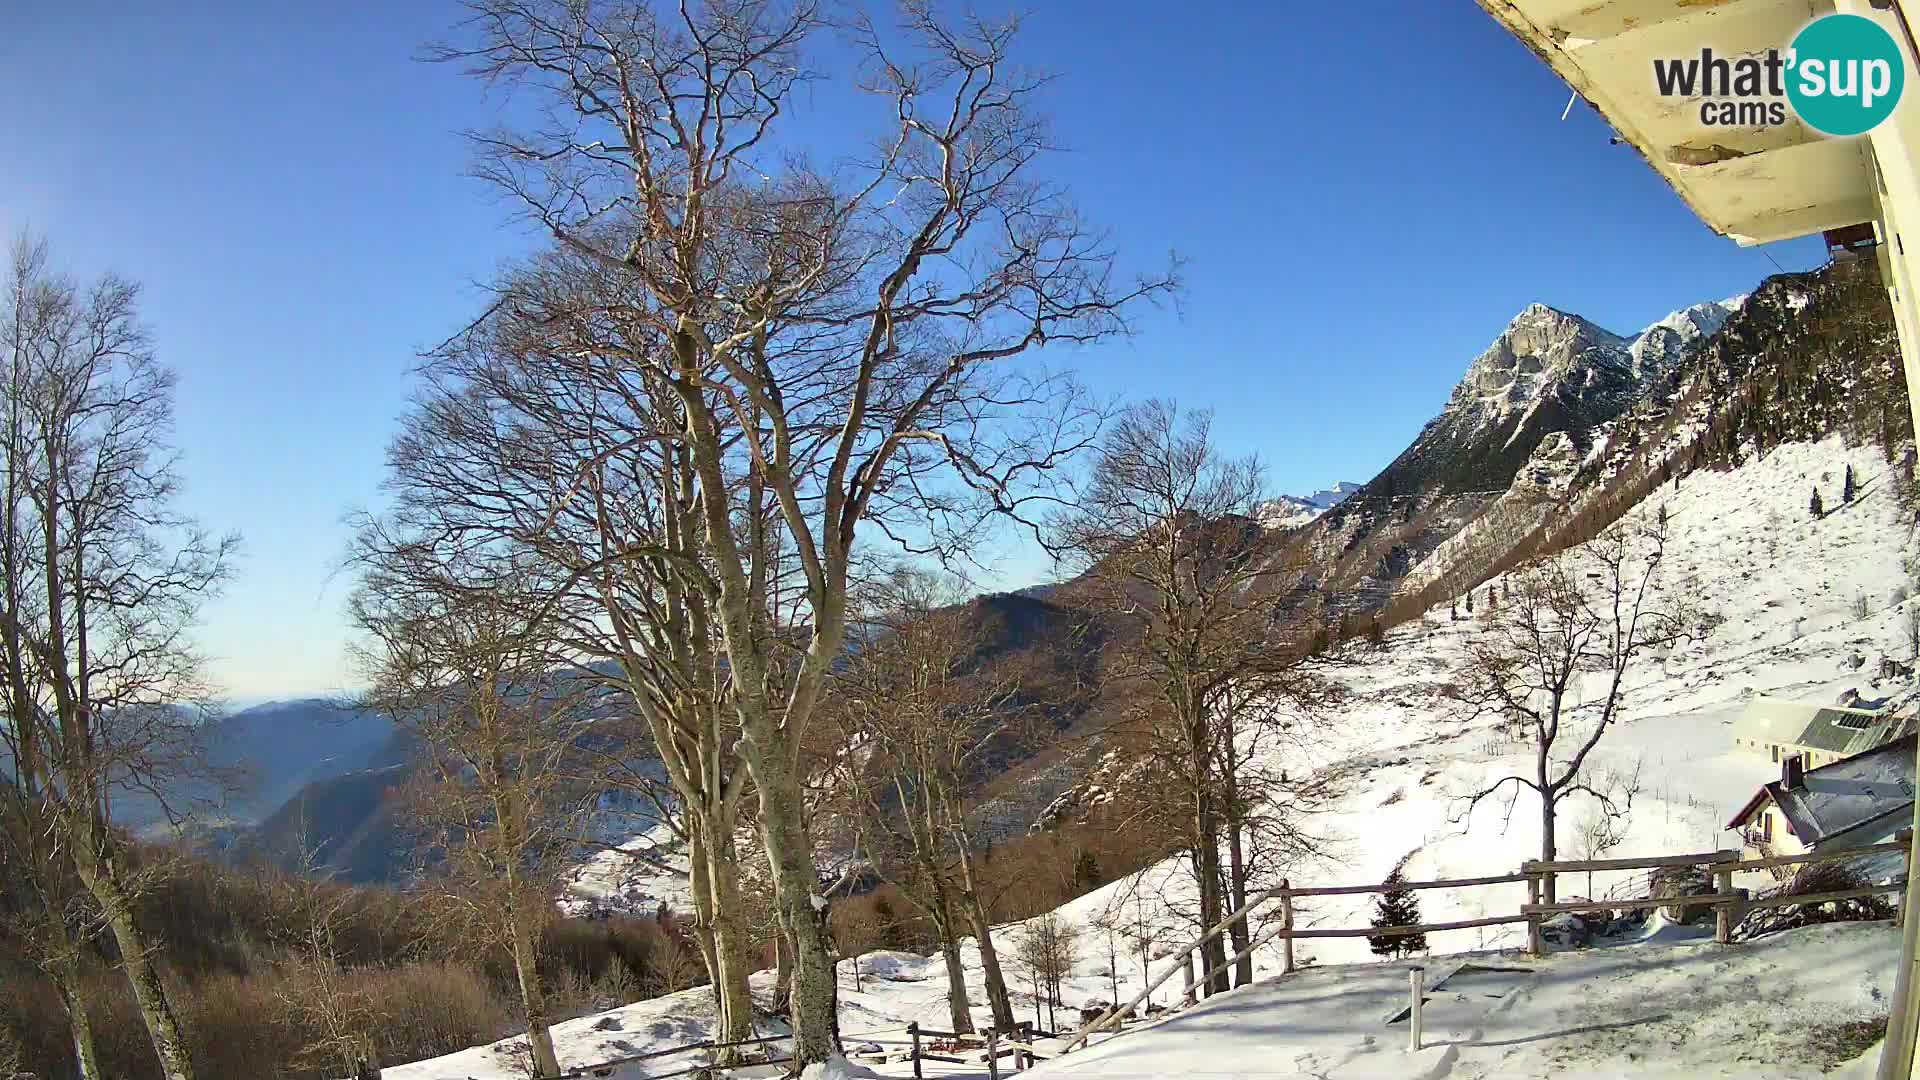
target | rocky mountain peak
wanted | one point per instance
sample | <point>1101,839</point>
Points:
<point>1663,345</point>
<point>1541,350</point>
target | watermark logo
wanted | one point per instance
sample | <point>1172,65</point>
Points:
<point>1847,75</point>
<point>1842,75</point>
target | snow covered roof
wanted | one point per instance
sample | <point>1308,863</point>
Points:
<point>1754,184</point>
<point>1834,729</point>
<point>1845,795</point>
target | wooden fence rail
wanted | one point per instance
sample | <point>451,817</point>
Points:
<point>1539,876</point>
<point>1729,905</point>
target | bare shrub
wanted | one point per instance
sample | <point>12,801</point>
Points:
<point>1047,948</point>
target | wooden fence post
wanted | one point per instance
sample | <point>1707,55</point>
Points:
<point>1904,836</point>
<point>913,1031</point>
<point>1724,913</point>
<point>1186,975</point>
<point>1023,1059</point>
<point>1286,923</point>
<point>993,1054</point>
<point>1417,983</point>
<point>1533,921</point>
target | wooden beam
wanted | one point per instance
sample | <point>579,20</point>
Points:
<point>1823,897</point>
<point>1628,905</point>
<point>1643,863</point>
<point>1399,931</point>
<point>1383,887</point>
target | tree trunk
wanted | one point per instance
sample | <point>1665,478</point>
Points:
<point>66,976</point>
<point>730,943</point>
<point>998,1000</point>
<point>149,994</point>
<point>1241,933</point>
<point>802,910</point>
<point>959,1009</point>
<point>782,973</point>
<point>700,891</point>
<point>1206,866</point>
<point>1548,846</point>
<point>1205,842</point>
<point>533,995</point>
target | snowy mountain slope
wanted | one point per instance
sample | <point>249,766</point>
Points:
<point>661,1023</point>
<point>1670,341</point>
<point>1803,356</point>
<point>1515,435</point>
<point>1549,371</point>
<point>1328,498</point>
<point>1786,588</point>
<point>1293,511</point>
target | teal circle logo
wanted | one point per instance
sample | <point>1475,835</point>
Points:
<point>1845,74</point>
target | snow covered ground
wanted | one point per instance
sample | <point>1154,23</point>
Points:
<point>636,875</point>
<point>1645,1011</point>
<point>1786,587</point>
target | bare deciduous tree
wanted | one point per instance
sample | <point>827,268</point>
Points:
<point>322,995</point>
<point>466,663</point>
<point>927,719</point>
<point>1554,661</point>
<point>829,335</point>
<point>1167,531</point>
<point>1048,947</point>
<point>105,579</point>
<point>535,434</point>
<point>1604,825</point>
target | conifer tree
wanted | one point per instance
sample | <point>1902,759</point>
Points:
<point>1846,488</point>
<point>1397,907</point>
<point>1469,601</point>
<point>1818,510</point>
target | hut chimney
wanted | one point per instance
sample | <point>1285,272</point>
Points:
<point>1793,772</point>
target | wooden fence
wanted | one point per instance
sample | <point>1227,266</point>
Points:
<point>1729,906</point>
<point>1019,1045</point>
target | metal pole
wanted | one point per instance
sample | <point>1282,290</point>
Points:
<point>1416,982</point>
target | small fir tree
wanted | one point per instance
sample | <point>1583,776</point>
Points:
<point>1086,871</point>
<point>1397,907</point>
<point>1469,601</point>
<point>1846,487</point>
<point>1376,634</point>
<point>1818,510</point>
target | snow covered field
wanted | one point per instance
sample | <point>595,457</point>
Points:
<point>1786,587</point>
<point>1645,1011</point>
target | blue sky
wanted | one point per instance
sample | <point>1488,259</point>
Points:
<point>1364,193</point>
